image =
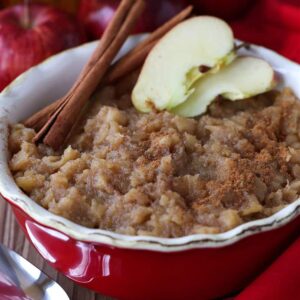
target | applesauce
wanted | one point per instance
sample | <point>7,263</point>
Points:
<point>163,175</point>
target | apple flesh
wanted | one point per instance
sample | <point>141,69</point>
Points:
<point>24,43</point>
<point>96,14</point>
<point>243,78</point>
<point>181,57</point>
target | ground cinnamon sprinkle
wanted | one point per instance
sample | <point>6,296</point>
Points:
<point>163,175</point>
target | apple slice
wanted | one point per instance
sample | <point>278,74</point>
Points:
<point>180,58</point>
<point>243,78</point>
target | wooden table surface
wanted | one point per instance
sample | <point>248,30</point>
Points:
<point>13,237</point>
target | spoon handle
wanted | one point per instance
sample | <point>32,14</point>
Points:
<point>19,277</point>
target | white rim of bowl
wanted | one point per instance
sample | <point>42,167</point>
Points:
<point>10,191</point>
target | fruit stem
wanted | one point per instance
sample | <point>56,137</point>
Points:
<point>26,16</point>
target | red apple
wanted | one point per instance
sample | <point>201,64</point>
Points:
<point>96,14</point>
<point>25,42</point>
<point>226,9</point>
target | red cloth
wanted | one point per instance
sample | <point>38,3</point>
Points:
<point>281,281</point>
<point>274,24</point>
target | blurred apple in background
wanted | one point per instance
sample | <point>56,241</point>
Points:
<point>226,9</point>
<point>29,34</point>
<point>96,14</point>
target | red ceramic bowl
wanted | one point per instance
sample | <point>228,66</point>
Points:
<point>202,266</point>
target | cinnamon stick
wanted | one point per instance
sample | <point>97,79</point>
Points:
<point>39,119</point>
<point>131,63</point>
<point>55,131</point>
<point>134,58</point>
<point>128,63</point>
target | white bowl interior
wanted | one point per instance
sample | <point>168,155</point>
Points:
<point>52,79</point>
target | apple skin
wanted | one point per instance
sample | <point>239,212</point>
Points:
<point>49,32</point>
<point>96,14</point>
<point>226,9</point>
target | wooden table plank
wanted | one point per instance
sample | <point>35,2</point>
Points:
<point>13,237</point>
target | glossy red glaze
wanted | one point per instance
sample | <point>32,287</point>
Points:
<point>138,274</point>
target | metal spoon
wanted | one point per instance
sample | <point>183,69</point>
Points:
<point>19,279</point>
